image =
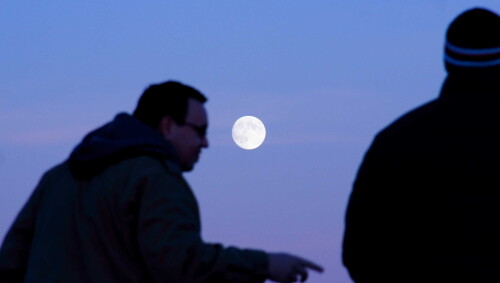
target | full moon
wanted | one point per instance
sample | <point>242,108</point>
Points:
<point>249,132</point>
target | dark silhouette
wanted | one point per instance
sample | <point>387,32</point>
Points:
<point>425,206</point>
<point>119,209</point>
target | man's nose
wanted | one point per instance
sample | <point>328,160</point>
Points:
<point>204,142</point>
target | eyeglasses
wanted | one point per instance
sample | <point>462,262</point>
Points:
<point>201,131</point>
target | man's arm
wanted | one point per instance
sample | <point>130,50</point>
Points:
<point>15,249</point>
<point>371,227</point>
<point>170,243</point>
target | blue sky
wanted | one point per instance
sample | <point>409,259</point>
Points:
<point>323,76</point>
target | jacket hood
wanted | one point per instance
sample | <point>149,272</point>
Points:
<point>122,138</point>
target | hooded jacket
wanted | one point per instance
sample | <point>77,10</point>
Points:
<point>119,210</point>
<point>425,205</point>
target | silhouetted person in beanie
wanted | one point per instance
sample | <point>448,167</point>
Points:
<point>425,205</point>
<point>119,209</point>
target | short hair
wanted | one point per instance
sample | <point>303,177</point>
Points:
<point>166,99</point>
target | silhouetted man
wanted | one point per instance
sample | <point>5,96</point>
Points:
<point>119,209</point>
<point>425,206</point>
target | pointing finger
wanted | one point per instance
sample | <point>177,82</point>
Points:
<point>312,265</point>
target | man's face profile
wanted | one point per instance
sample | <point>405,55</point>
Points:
<point>188,139</point>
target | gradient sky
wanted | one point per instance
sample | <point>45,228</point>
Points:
<point>324,76</point>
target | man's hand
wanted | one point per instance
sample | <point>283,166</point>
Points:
<point>285,268</point>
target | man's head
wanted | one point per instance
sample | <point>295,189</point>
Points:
<point>177,112</point>
<point>473,43</point>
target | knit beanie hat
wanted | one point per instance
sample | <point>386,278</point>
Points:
<point>473,43</point>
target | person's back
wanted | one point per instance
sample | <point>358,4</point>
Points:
<point>426,202</point>
<point>87,229</point>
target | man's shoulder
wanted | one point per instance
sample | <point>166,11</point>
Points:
<point>56,171</point>
<point>153,175</point>
<point>148,165</point>
<point>420,119</point>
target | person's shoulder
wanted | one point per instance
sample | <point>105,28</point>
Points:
<point>148,163</point>
<point>417,120</point>
<point>56,171</point>
<point>154,175</point>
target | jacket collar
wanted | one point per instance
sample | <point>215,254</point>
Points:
<point>471,85</point>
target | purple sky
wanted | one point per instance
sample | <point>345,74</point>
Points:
<point>323,76</point>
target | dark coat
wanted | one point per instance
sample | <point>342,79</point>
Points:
<point>425,206</point>
<point>119,210</point>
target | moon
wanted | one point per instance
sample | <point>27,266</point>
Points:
<point>249,132</point>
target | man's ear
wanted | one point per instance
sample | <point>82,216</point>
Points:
<point>166,125</point>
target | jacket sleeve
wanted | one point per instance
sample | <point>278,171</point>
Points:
<point>170,242</point>
<point>372,235</point>
<point>14,253</point>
